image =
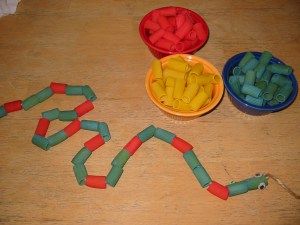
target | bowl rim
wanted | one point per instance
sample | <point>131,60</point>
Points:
<point>193,49</point>
<point>192,113</point>
<point>230,63</point>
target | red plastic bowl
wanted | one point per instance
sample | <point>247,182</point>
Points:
<point>160,53</point>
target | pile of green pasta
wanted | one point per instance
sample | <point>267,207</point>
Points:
<point>259,82</point>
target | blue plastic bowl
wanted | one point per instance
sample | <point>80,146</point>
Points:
<point>244,106</point>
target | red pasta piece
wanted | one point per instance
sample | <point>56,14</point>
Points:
<point>172,21</point>
<point>58,88</point>
<point>192,35</point>
<point>165,44</point>
<point>181,145</point>
<point>156,36</point>
<point>155,14</point>
<point>185,28</point>
<point>179,47</point>
<point>72,128</point>
<point>94,143</point>
<point>189,44</point>
<point>133,145</point>
<point>42,127</point>
<point>201,34</point>
<point>149,24</point>
<point>218,190</point>
<point>84,108</point>
<point>163,22</point>
<point>170,11</point>
<point>13,106</point>
<point>170,29</point>
<point>180,18</point>
<point>171,37</point>
<point>96,181</point>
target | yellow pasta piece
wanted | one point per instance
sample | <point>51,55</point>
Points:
<point>179,104</point>
<point>179,58</point>
<point>170,82</point>
<point>170,91</point>
<point>197,69</point>
<point>207,102</point>
<point>158,90</point>
<point>168,99</point>
<point>160,82</point>
<point>206,78</point>
<point>192,79</point>
<point>208,88</point>
<point>156,69</point>
<point>199,100</point>
<point>179,88</point>
<point>190,92</point>
<point>167,72</point>
<point>178,65</point>
<point>216,79</point>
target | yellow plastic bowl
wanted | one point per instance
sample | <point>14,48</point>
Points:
<point>217,93</point>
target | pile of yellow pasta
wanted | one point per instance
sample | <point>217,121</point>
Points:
<point>182,86</point>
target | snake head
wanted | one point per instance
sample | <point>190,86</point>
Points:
<point>259,181</point>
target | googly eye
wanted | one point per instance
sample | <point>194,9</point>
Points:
<point>258,174</point>
<point>262,186</point>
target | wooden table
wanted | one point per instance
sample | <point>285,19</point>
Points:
<point>97,43</point>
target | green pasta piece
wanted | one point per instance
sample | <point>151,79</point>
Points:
<point>280,69</point>
<point>273,102</point>
<point>254,101</point>
<point>104,131</point>
<point>81,156</point>
<point>237,188</point>
<point>265,58</point>
<point>250,65</point>
<point>44,94</point>
<point>89,125</point>
<point>283,93</point>
<point>235,84</point>
<point>88,93</point>
<point>281,80</point>
<point>147,133</point>
<point>202,176</point>
<point>2,111</point>
<point>164,135</point>
<point>30,102</point>
<point>80,173</point>
<point>249,77</point>
<point>114,175</point>
<point>246,59</point>
<point>236,71</point>
<point>259,70</point>
<point>74,90</point>
<point>261,84</point>
<point>57,138</point>
<point>262,63</point>
<point>41,142</point>
<point>251,90</point>
<point>266,77</point>
<point>67,115</point>
<point>121,158</point>
<point>241,79</point>
<point>253,183</point>
<point>269,91</point>
<point>51,114</point>
<point>191,159</point>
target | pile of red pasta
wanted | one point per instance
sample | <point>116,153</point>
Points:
<point>175,29</point>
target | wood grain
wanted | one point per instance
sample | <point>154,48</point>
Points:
<point>97,43</point>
